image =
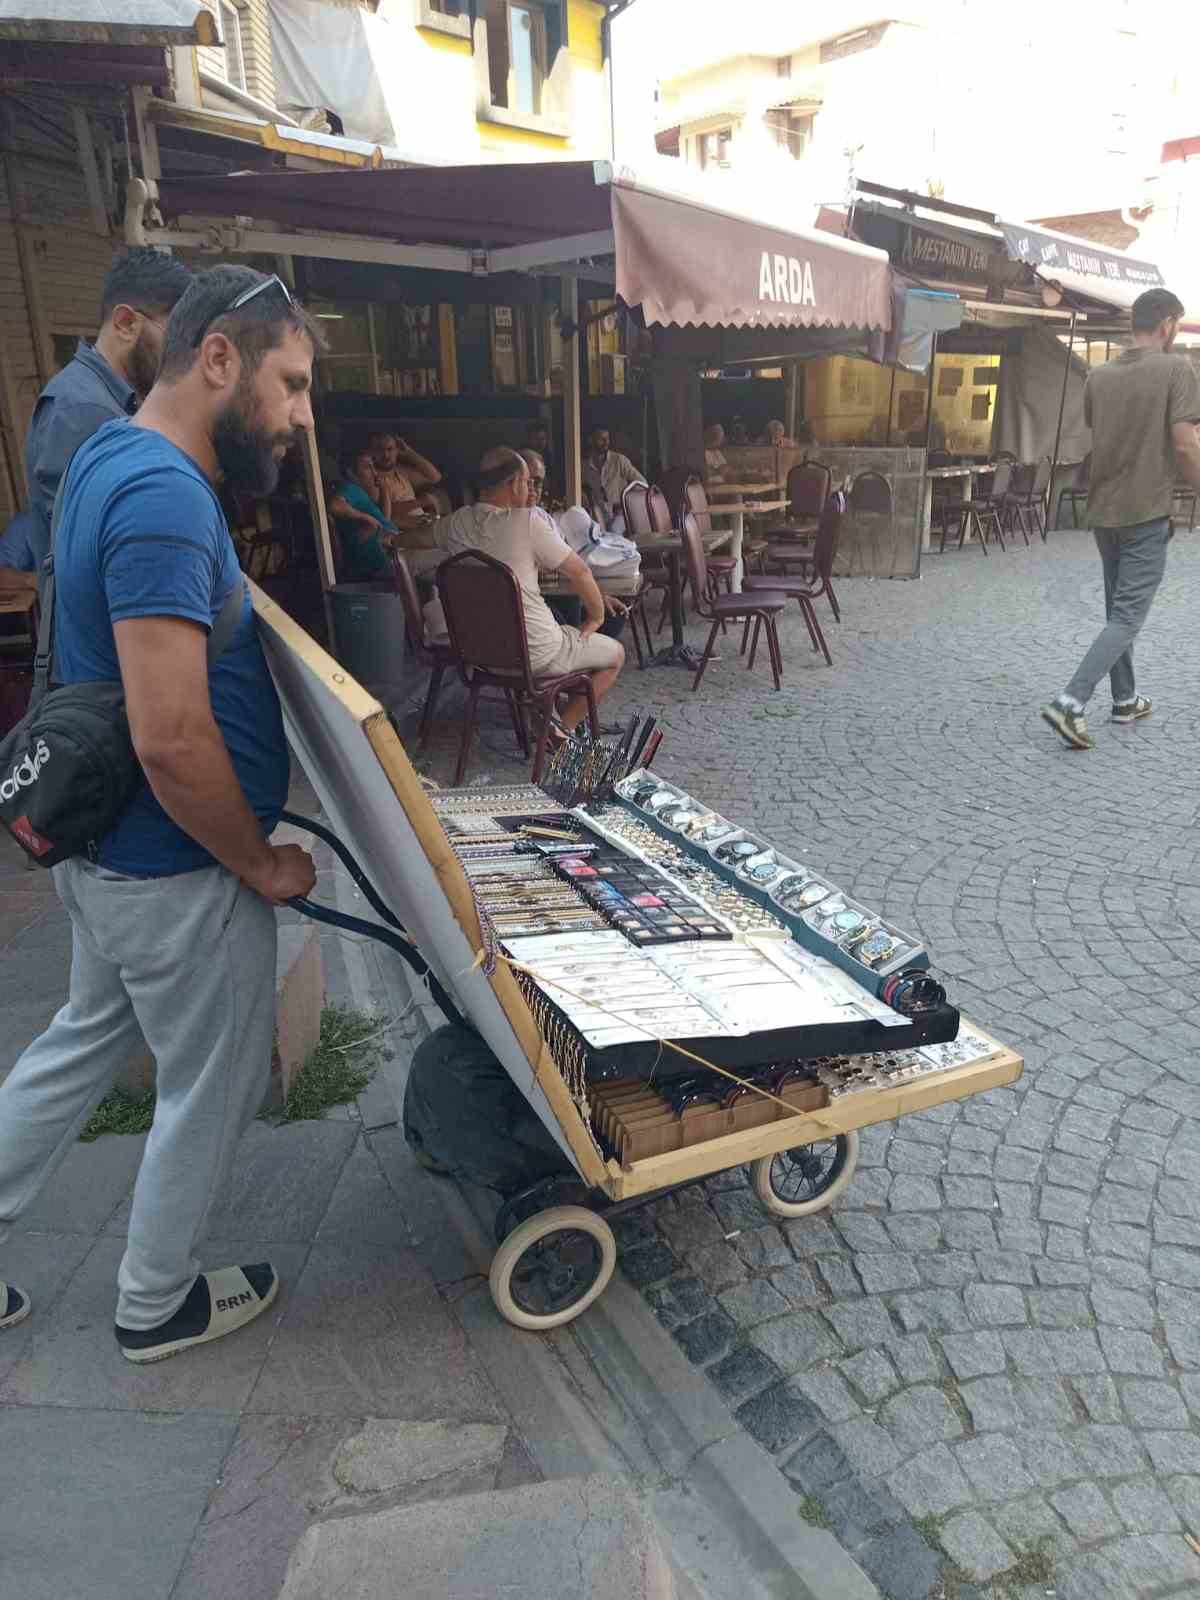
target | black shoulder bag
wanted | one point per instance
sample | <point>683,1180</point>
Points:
<point>68,768</point>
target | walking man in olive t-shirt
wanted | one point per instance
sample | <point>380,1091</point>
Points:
<point>1143,410</point>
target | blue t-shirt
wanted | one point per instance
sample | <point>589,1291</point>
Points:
<point>142,534</point>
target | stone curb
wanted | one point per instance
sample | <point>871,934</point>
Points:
<point>612,1393</point>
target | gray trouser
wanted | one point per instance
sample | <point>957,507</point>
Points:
<point>1133,560</point>
<point>190,960</point>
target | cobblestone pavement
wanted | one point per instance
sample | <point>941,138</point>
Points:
<point>982,1366</point>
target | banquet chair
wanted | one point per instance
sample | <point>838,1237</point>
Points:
<point>807,587</point>
<point>760,609</point>
<point>485,617</point>
<point>439,658</point>
<point>808,487</point>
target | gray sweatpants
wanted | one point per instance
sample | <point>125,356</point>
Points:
<point>1134,560</point>
<point>190,960</point>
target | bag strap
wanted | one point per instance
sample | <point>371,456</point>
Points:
<point>219,635</point>
<point>45,641</point>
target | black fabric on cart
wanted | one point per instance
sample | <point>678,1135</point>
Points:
<point>464,1112</point>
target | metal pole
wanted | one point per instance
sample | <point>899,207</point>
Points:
<point>887,438</point>
<point>924,504</point>
<point>571,384</point>
<point>1062,406</point>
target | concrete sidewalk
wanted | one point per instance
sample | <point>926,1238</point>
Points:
<point>315,1453</point>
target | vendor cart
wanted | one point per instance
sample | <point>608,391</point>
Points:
<point>593,1088</point>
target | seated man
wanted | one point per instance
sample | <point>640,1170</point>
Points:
<point>584,537</point>
<point>606,476</point>
<point>366,534</point>
<point>18,553</point>
<point>402,475</point>
<point>501,524</point>
<point>777,437</point>
<point>714,457</point>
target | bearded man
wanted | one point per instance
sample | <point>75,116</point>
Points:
<point>173,910</point>
<point>103,380</point>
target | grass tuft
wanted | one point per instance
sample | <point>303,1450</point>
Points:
<point>1035,1564</point>
<point>341,1066</point>
<point>814,1512</point>
<point>119,1112</point>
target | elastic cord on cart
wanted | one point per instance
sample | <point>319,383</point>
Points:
<point>395,941</point>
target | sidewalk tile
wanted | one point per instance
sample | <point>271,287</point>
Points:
<point>102,1503</point>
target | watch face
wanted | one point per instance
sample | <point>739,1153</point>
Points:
<point>738,850</point>
<point>876,947</point>
<point>846,922</point>
<point>715,831</point>
<point>661,798</point>
<point>764,872</point>
<point>643,792</point>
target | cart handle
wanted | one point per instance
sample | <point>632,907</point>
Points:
<point>393,936</point>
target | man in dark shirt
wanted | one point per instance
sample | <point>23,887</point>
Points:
<point>102,380</point>
<point>1143,409</point>
<point>173,913</point>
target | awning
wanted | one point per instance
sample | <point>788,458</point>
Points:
<point>1079,265</point>
<point>927,237</point>
<point>119,22</point>
<point>682,262</point>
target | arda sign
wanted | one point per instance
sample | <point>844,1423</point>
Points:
<point>784,280</point>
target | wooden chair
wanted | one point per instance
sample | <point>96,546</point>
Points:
<point>485,617</point>
<point>439,658</point>
<point>761,609</point>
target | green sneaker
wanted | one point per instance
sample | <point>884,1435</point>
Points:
<point>1132,710</point>
<point>1069,725</point>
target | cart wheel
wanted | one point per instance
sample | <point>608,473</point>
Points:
<point>795,1183</point>
<point>552,1267</point>
<point>541,1196</point>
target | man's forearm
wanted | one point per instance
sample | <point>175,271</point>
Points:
<point>14,578</point>
<point>588,590</point>
<point>424,469</point>
<point>193,780</point>
<point>1189,462</point>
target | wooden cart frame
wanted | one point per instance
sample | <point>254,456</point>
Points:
<point>374,799</point>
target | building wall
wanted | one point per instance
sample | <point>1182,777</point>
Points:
<point>43,196</point>
<point>255,33</point>
<point>934,107</point>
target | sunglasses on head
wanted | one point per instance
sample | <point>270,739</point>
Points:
<point>244,299</point>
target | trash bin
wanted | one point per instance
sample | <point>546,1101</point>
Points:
<point>368,625</point>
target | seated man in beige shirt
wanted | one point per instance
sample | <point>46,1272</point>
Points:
<point>403,474</point>
<point>501,524</point>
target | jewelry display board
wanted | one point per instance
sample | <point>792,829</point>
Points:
<point>483,930</point>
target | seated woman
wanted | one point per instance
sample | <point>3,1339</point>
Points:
<point>368,538</point>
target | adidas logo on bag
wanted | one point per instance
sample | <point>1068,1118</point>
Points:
<point>26,771</point>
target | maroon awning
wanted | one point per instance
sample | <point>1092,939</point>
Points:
<point>682,262</point>
<point>685,264</point>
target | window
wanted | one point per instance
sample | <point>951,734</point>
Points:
<point>517,54</point>
<point>713,148</point>
<point>230,25</point>
<point>527,56</point>
<point>791,130</point>
<point>524,39</point>
<point>850,44</point>
<point>445,16</point>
